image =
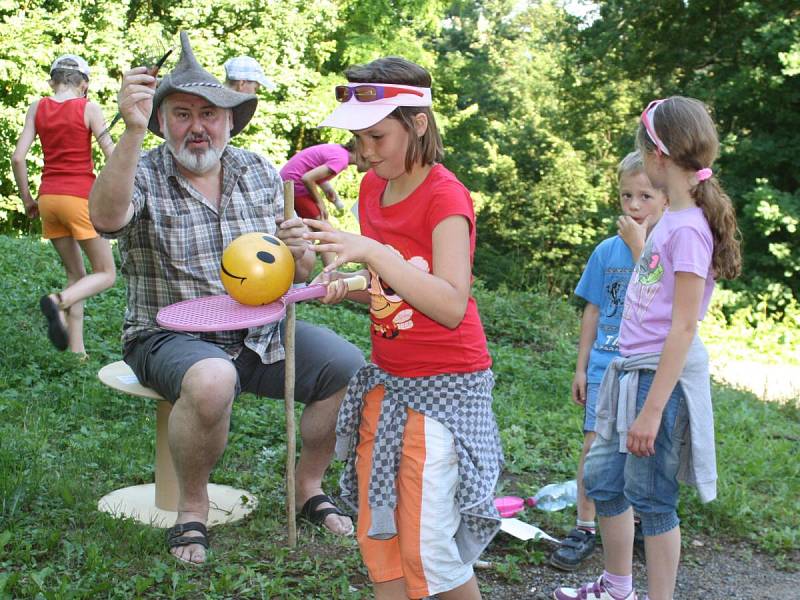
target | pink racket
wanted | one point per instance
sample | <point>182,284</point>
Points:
<point>223,313</point>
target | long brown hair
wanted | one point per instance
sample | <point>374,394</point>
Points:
<point>426,149</point>
<point>686,128</point>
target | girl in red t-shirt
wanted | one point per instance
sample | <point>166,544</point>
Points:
<point>64,123</point>
<point>428,345</point>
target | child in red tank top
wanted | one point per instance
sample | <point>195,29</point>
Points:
<point>64,123</point>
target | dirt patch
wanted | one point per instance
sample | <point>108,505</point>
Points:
<point>709,569</point>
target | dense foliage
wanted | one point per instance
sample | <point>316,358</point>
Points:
<point>537,105</point>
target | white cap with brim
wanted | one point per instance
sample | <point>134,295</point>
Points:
<point>246,68</point>
<point>71,62</point>
<point>356,115</point>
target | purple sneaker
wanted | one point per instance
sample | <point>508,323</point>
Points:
<point>589,591</point>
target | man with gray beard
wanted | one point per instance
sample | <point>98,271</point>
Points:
<point>174,209</point>
<point>189,151</point>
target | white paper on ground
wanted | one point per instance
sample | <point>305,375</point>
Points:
<point>524,531</point>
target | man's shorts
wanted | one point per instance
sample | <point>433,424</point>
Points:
<point>324,363</point>
<point>65,216</point>
<point>424,551</point>
<point>590,410</point>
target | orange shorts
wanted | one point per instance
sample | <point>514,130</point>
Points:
<point>423,552</point>
<point>65,216</point>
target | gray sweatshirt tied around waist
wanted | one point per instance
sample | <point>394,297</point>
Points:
<point>616,411</point>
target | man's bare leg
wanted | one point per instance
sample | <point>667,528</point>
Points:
<point>318,436</point>
<point>198,433</point>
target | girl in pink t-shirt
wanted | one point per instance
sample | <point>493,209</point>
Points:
<point>636,462</point>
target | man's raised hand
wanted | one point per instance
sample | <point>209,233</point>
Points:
<point>135,98</point>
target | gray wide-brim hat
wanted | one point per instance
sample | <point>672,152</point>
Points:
<point>188,77</point>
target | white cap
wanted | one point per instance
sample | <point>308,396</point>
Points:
<point>245,68</point>
<point>79,65</point>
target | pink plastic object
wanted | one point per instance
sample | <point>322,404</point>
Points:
<point>223,313</point>
<point>511,506</point>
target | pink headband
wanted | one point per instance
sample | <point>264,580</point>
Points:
<point>648,120</point>
<point>704,174</point>
<point>648,116</point>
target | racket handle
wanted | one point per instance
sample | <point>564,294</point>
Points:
<point>356,283</point>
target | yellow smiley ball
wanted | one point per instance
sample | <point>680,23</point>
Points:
<point>257,268</point>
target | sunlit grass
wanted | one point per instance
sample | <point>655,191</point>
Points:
<point>66,440</point>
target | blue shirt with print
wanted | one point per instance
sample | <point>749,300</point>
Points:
<point>604,283</point>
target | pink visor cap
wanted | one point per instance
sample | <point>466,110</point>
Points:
<point>356,115</point>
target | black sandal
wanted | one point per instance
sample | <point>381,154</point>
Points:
<point>175,537</point>
<point>55,328</point>
<point>315,515</point>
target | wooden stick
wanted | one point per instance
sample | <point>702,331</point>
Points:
<point>288,393</point>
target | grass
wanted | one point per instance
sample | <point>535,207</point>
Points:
<point>66,440</point>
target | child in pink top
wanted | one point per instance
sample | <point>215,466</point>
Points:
<point>654,416</point>
<point>64,122</point>
<point>313,168</point>
<point>682,243</point>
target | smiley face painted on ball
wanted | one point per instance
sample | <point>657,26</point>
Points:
<point>257,268</point>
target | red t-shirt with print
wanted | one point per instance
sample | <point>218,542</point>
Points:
<point>405,342</point>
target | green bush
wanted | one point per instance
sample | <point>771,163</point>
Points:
<point>753,332</point>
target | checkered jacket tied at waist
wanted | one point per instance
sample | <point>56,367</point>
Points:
<point>463,404</point>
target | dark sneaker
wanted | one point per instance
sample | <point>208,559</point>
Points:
<point>638,540</point>
<point>576,547</point>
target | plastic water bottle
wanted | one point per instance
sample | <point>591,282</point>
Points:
<point>556,496</point>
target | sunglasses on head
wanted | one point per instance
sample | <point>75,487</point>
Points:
<point>649,127</point>
<point>371,92</point>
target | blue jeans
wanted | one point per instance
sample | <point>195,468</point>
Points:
<point>617,480</point>
<point>590,410</point>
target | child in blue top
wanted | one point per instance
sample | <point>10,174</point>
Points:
<point>655,422</point>
<point>603,286</point>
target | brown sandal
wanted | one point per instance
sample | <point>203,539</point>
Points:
<point>175,537</point>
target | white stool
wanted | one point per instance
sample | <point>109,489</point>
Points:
<point>156,503</point>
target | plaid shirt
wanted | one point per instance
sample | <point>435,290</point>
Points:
<point>172,247</point>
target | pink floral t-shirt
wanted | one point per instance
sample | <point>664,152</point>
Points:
<point>680,242</point>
